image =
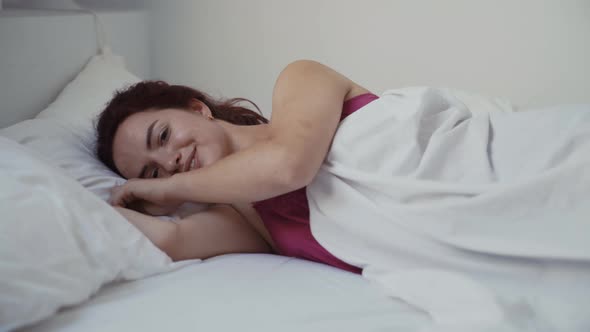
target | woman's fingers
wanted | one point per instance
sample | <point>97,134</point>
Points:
<point>120,195</point>
<point>132,191</point>
<point>150,191</point>
<point>114,199</point>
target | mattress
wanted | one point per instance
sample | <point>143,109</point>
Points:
<point>245,292</point>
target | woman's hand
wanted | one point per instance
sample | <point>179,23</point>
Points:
<point>145,192</point>
<point>154,209</point>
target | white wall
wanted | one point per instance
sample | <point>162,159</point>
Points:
<point>41,51</point>
<point>533,52</point>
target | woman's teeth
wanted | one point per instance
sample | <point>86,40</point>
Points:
<point>192,164</point>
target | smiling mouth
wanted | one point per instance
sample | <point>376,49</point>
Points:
<point>194,163</point>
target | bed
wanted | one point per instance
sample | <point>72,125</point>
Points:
<point>241,292</point>
<point>70,263</point>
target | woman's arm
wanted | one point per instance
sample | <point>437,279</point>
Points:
<point>216,231</point>
<point>307,104</point>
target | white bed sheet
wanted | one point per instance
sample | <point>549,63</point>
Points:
<point>241,292</point>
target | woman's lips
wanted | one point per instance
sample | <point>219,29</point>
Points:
<point>195,161</point>
<point>189,164</point>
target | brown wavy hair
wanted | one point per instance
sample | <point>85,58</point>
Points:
<point>156,95</point>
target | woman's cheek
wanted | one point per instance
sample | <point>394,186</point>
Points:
<point>213,154</point>
<point>182,138</point>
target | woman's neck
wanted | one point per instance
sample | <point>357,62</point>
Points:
<point>242,137</point>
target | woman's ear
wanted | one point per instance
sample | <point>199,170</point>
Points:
<point>199,106</point>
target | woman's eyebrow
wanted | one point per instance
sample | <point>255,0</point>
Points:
<point>148,143</point>
<point>148,139</point>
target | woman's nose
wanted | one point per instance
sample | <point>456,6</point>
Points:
<point>173,163</point>
<point>168,160</point>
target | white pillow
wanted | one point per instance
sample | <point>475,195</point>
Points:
<point>64,134</point>
<point>85,96</point>
<point>58,242</point>
<point>69,148</point>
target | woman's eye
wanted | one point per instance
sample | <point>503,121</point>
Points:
<point>164,135</point>
<point>155,173</point>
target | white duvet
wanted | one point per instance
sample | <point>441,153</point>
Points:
<point>475,214</point>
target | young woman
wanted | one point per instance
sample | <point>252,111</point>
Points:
<point>466,212</point>
<point>176,144</point>
<point>421,157</point>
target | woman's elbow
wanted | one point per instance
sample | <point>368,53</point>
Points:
<point>290,168</point>
<point>170,244</point>
<point>296,174</point>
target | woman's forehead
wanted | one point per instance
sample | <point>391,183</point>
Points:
<point>140,118</point>
<point>151,115</point>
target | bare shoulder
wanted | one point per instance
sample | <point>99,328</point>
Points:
<point>356,90</point>
<point>313,70</point>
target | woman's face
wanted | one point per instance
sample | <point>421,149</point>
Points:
<point>155,144</point>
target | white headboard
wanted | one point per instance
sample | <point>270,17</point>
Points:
<point>41,51</point>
